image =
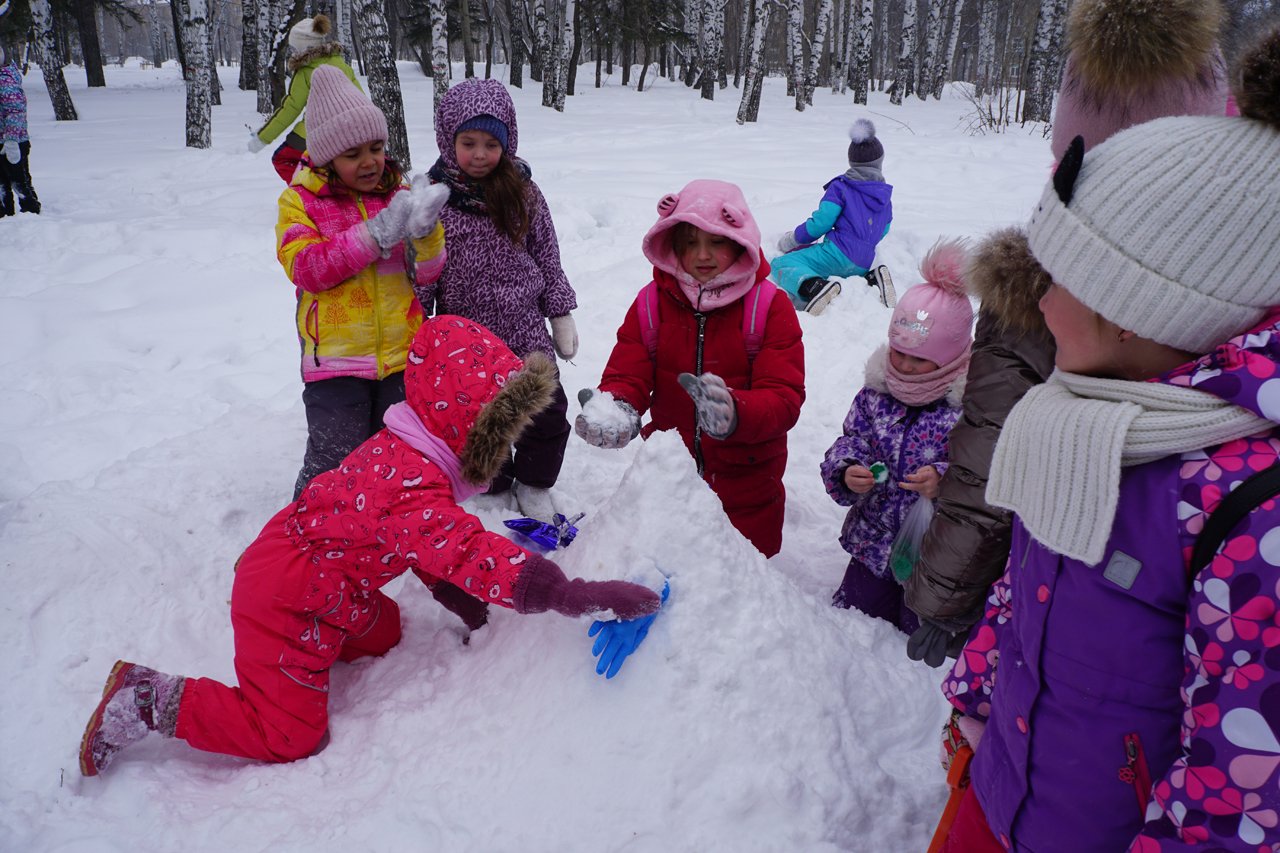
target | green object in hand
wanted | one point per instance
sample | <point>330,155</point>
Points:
<point>879,472</point>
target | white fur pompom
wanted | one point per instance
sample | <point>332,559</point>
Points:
<point>862,130</point>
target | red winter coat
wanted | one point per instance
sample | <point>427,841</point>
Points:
<point>745,470</point>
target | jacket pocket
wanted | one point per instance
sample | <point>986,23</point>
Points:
<point>1135,772</point>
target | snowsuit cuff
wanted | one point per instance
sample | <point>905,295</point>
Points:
<point>538,585</point>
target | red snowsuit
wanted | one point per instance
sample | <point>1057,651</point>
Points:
<point>306,592</point>
<point>745,470</point>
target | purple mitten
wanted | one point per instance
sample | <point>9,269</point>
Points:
<point>542,586</point>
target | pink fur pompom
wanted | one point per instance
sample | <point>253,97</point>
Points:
<point>943,266</point>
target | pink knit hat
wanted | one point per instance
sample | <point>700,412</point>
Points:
<point>934,320</point>
<point>1131,61</point>
<point>339,116</point>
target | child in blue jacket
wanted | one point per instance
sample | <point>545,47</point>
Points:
<point>853,216</point>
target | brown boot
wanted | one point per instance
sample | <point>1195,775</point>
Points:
<point>135,702</point>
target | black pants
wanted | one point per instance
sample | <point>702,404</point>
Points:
<point>540,449</point>
<point>17,176</point>
<point>341,414</point>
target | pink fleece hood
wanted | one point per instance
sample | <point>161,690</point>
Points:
<point>717,207</point>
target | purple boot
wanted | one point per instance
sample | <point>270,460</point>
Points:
<point>135,701</point>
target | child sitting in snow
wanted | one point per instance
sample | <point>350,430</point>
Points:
<point>343,225</point>
<point>708,351</point>
<point>853,216</point>
<point>307,591</point>
<point>901,419</point>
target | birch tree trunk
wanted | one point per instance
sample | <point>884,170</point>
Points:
<point>860,78</point>
<point>942,68</point>
<point>384,81</point>
<point>986,76</point>
<point>749,109</point>
<point>905,71</point>
<point>795,50</point>
<point>468,51</point>
<point>155,30</point>
<point>341,18</point>
<point>1039,85</point>
<point>49,57</point>
<point>563,55</point>
<point>693,10</point>
<point>713,46</point>
<point>439,51</point>
<point>541,42</point>
<point>820,28</point>
<point>932,48</point>
<point>744,46</point>
<point>215,85</point>
<point>248,42</point>
<point>516,39</point>
<point>273,30</point>
<point>195,35</point>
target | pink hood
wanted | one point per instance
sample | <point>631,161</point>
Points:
<point>716,207</point>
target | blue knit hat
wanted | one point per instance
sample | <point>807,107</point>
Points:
<point>489,125</point>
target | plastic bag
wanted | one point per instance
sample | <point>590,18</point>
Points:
<point>906,545</point>
<point>545,537</point>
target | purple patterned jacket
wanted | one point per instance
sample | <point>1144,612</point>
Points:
<point>880,428</point>
<point>510,288</point>
<point>13,104</point>
<point>1139,707</point>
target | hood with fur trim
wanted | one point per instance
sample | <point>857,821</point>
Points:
<point>319,53</point>
<point>465,101</point>
<point>1131,61</point>
<point>473,393</point>
<point>717,207</point>
<point>1008,280</point>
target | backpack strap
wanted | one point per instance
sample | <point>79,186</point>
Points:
<point>647,305</point>
<point>1242,500</point>
<point>755,314</point>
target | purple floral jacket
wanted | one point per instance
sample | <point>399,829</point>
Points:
<point>510,288</point>
<point>880,428</point>
<point>1141,708</point>
<point>13,104</point>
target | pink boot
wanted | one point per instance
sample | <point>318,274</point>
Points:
<point>136,700</point>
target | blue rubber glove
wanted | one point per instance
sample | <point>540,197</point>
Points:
<point>618,638</point>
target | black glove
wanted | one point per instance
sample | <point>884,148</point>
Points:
<point>930,643</point>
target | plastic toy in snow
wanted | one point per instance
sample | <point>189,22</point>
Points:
<point>543,536</point>
<point>616,640</point>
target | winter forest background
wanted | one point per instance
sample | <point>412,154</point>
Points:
<point>1009,51</point>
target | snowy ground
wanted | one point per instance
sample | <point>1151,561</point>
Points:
<point>152,423</point>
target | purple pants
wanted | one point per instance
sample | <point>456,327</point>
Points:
<point>342,413</point>
<point>540,448</point>
<point>879,597</point>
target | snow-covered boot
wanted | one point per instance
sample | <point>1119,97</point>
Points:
<point>818,293</point>
<point>135,701</point>
<point>534,502</point>
<point>880,279</point>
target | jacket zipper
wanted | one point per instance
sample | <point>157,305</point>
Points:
<point>1135,771</point>
<point>377,320</point>
<point>313,322</point>
<point>697,371</point>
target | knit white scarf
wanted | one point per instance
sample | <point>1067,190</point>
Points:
<point>1057,463</point>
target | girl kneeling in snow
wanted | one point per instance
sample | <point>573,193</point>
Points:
<point>307,591</point>
<point>901,419</point>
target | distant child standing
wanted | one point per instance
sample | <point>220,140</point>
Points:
<point>15,145</point>
<point>504,266</point>
<point>708,351</point>
<point>308,591</point>
<point>853,216</point>
<point>342,241</point>
<point>901,419</point>
<point>311,44</point>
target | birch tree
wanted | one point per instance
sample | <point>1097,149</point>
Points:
<point>273,30</point>
<point>986,75</point>
<point>942,68</point>
<point>50,59</point>
<point>439,51</point>
<point>563,52</point>
<point>905,72</point>
<point>712,45</point>
<point>384,81</point>
<point>195,35</point>
<point>1040,84</point>
<point>932,48</point>
<point>541,41</point>
<point>341,18</point>
<point>821,24</point>
<point>693,61</point>
<point>515,40</point>
<point>795,50</point>
<point>860,77</point>
<point>749,109</point>
<point>155,30</point>
<point>248,42</point>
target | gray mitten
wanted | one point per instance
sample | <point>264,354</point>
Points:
<point>255,143</point>
<point>564,335</point>
<point>787,242</point>
<point>605,422</point>
<point>12,152</point>
<point>390,226</point>
<point>428,200</point>
<point>717,413</point>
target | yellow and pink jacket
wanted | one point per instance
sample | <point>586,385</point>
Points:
<point>357,311</point>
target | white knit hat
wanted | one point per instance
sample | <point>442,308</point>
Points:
<point>1171,229</point>
<point>309,33</point>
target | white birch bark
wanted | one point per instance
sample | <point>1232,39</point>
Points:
<point>821,26</point>
<point>46,45</point>
<point>712,46</point>
<point>749,109</point>
<point>439,50</point>
<point>860,76</point>
<point>985,79</point>
<point>1038,86</point>
<point>932,48</point>
<point>195,35</point>
<point>795,50</point>
<point>383,79</point>
<point>904,72</point>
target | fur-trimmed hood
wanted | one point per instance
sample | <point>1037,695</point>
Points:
<point>1008,280</point>
<point>318,53</point>
<point>873,376</point>
<point>473,393</point>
